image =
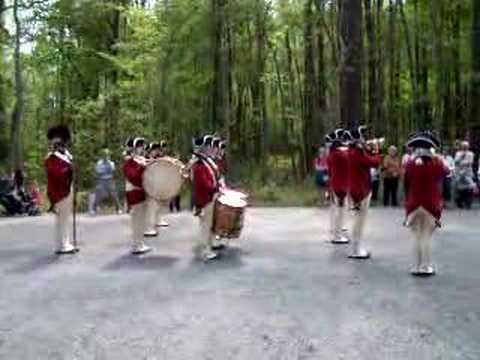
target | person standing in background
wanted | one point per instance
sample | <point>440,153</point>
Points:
<point>449,179</point>
<point>464,177</point>
<point>321,173</point>
<point>392,170</point>
<point>105,182</point>
<point>405,159</point>
<point>375,174</point>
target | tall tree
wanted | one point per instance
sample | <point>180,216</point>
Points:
<point>221,66</point>
<point>3,105</point>
<point>16,150</point>
<point>352,60</point>
<point>311,92</point>
<point>475,100</point>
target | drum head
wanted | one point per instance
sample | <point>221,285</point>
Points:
<point>232,201</point>
<point>162,179</point>
<point>234,193</point>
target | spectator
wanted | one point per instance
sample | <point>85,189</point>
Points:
<point>448,180</point>
<point>18,183</point>
<point>175,204</point>
<point>35,194</point>
<point>392,170</point>
<point>405,159</point>
<point>464,177</point>
<point>321,172</point>
<point>104,171</point>
<point>375,174</point>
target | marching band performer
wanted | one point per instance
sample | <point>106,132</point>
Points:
<point>219,155</point>
<point>424,173</point>
<point>220,147</point>
<point>362,157</point>
<point>205,185</point>
<point>133,169</point>
<point>128,145</point>
<point>155,209</point>
<point>337,163</point>
<point>162,209</point>
<point>59,169</point>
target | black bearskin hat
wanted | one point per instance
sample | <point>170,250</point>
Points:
<point>59,132</point>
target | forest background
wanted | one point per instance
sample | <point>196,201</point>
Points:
<point>271,76</point>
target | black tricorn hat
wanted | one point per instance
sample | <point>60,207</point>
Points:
<point>424,140</point>
<point>153,146</point>
<point>197,141</point>
<point>139,141</point>
<point>129,142</point>
<point>336,135</point>
<point>359,133</point>
<point>216,142</point>
<point>59,132</point>
<point>207,140</point>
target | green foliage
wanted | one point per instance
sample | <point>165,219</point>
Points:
<point>111,69</point>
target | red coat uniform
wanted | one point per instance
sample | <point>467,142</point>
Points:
<point>59,176</point>
<point>360,162</point>
<point>133,169</point>
<point>205,183</point>
<point>337,162</point>
<point>425,186</point>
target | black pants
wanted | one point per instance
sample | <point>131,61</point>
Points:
<point>390,191</point>
<point>464,198</point>
<point>375,188</point>
<point>175,204</point>
<point>447,189</point>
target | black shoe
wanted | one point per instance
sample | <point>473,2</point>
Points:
<point>67,252</point>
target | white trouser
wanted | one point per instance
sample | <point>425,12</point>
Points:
<point>359,219</point>
<point>64,223</point>
<point>162,210</point>
<point>137,217</point>
<point>423,225</point>
<point>337,216</point>
<point>155,210</point>
<point>206,223</point>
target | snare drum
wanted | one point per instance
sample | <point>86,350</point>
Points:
<point>229,215</point>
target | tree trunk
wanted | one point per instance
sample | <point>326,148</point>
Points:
<point>221,96</point>
<point>381,125</point>
<point>258,85</point>
<point>352,60</point>
<point>457,76</point>
<point>311,103</point>
<point>475,91</point>
<point>113,102</point>
<point>372,63</point>
<point>393,72</point>
<point>411,64</point>
<point>16,153</point>
<point>3,105</point>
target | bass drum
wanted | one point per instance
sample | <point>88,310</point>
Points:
<point>229,216</point>
<point>163,179</point>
